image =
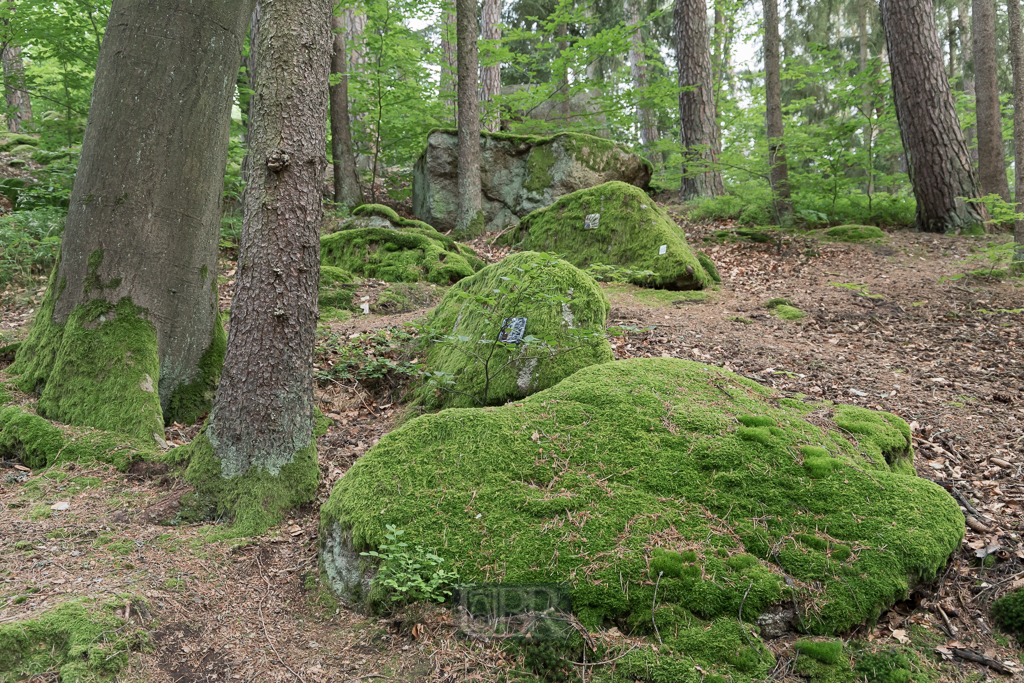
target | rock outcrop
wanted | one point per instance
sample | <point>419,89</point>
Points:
<point>519,174</point>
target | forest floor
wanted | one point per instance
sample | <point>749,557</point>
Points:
<point>883,330</point>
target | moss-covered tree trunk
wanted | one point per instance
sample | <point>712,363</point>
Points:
<point>257,456</point>
<point>696,102</point>
<point>128,334</point>
<point>346,178</point>
<point>470,217</point>
<point>938,160</point>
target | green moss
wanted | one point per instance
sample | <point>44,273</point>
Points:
<point>788,312</point>
<point>395,255</point>
<point>254,501</point>
<point>774,303</point>
<point>854,233</point>
<point>631,231</point>
<point>9,141</point>
<point>189,402</point>
<point>560,303</point>
<point>579,484</point>
<point>38,443</point>
<point>23,545</point>
<point>882,436</point>
<point>824,651</point>
<point>84,641</point>
<point>1008,612</point>
<point>538,168</point>
<point>709,267</point>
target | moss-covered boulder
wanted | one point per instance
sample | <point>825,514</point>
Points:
<point>518,174</point>
<point>336,289</point>
<point>855,233</point>
<point>617,224</point>
<point>663,475</point>
<point>376,242</point>
<point>565,312</point>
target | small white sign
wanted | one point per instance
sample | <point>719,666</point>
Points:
<point>663,250</point>
<point>591,221</point>
<point>366,309</point>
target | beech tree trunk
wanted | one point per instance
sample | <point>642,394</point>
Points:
<point>1017,60</point>
<point>264,413</point>
<point>696,102</point>
<point>128,334</point>
<point>490,76</point>
<point>638,70</point>
<point>346,178</point>
<point>778,172</point>
<point>449,59</point>
<point>19,105</point>
<point>470,217</point>
<point>938,159</point>
<point>991,156</point>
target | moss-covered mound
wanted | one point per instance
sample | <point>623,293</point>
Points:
<point>10,141</point>
<point>668,475</point>
<point>854,233</point>
<point>616,224</point>
<point>81,640</point>
<point>376,242</point>
<point>784,308</point>
<point>565,313</point>
<point>38,443</point>
<point>334,297</point>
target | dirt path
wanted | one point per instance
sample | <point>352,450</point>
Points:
<point>946,356</point>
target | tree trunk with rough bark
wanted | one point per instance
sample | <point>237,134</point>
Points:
<point>991,156</point>
<point>696,102</point>
<point>1017,60</point>
<point>638,70</point>
<point>470,217</point>
<point>778,171</point>
<point>19,105</point>
<point>967,62</point>
<point>128,334</point>
<point>565,101</point>
<point>449,60</point>
<point>346,178</point>
<point>250,68</point>
<point>257,456</point>
<point>490,76</point>
<point>938,160</point>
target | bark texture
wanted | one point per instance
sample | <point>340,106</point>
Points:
<point>638,71</point>
<point>449,59</point>
<point>1017,60</point>
<point>19,105</point>
<point>967,63</point>
<point>470,216</point>
<point>250,68</point>
<point>490,76</point>
<point>778,172</point>
<point>144,215</point>
<point>696,102</point>
<point>264,411</point>
<point>938,159</point>
<point>346,178</point>
<point>991,156</point>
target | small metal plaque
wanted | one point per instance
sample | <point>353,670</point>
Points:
<point>663,250</point>
<point>592,221</point>
<point>512,330</point>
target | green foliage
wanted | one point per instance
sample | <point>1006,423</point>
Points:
<point>467,361</point>
<point>825,651</point>
<point>367,358</point>
<point>411,576</point>
<point>549,660</point>
<point>1008,612</point>
<point>29,242</point>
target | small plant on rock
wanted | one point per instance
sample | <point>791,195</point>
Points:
<point>411,576</point>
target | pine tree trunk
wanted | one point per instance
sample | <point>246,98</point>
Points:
<point>991,156</point>
<point>346,178</point>
<point>638,70</point>
<point>19,104</point>
<point>778,171</point>
<point>938,160</point>
<point>470,217</point>
<point>967,61</point>
<point>128,334</point>
<point>951,40</point>
<point>697,102</point>
<point>250,68</point>
<point>490,76</point>
<point>449,60</point>
<point>264,415</point>
<point>1017,60</point>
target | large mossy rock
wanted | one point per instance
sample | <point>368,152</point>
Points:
<point>668,475</point>
<point>617,224</point>
<point>376,242</point>
<point>565,310</point>
<point>518,174</point>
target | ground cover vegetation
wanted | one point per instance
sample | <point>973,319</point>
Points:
<point>776,434</point>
